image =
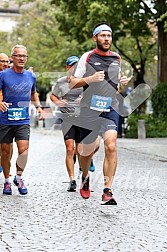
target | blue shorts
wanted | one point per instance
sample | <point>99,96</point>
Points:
<point>93,123</point>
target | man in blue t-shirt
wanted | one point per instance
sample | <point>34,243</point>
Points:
<point>18,89</point>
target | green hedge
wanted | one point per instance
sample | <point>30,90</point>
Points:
<point>156,123</point>
<point>155,127</point>
<point>159,101</point>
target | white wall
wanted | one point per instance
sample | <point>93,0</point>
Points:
<point>7,21</point>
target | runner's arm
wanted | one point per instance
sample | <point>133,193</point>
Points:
<point>35,100</point>
<point>75,82</point>
<point>59,102</point>
<point>1,96</point>
<point>3,105</point>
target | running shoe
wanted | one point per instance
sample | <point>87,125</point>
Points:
<point>92,167</point>
<point>7,188</point>
<point>21,187</point>
<point>84,190</point>
<point>0,168</point>
<point>72,186</point>
<point>108,197</point>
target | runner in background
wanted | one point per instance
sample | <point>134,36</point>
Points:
<point>68,102</point>
<point>4,64</point>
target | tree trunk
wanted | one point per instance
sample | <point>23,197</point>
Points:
<point>139,78</point>
<point>162,52</point>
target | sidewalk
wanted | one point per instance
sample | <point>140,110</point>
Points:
<point>156,147</point>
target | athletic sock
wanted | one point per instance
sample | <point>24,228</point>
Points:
<point>7,180</point>
<point>18,177</point>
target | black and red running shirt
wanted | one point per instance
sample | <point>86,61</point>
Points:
<point>91,62</point>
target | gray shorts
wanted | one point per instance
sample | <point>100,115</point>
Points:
<point>17,132</point>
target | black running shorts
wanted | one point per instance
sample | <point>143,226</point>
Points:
<point>17,132</point>
<point>70,127</point>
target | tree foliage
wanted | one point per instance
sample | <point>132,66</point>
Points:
<point>163,18</point>
<point>37,29</point>
<point>52,32</point>
<point>5,44</point>
<point>133,22</point>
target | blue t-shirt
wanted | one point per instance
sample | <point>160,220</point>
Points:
<point>16,89</point>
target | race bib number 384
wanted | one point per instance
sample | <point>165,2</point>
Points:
<point>16,113</point>
<point>100,103</point>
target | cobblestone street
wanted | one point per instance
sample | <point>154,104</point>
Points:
<point>50,219</point>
